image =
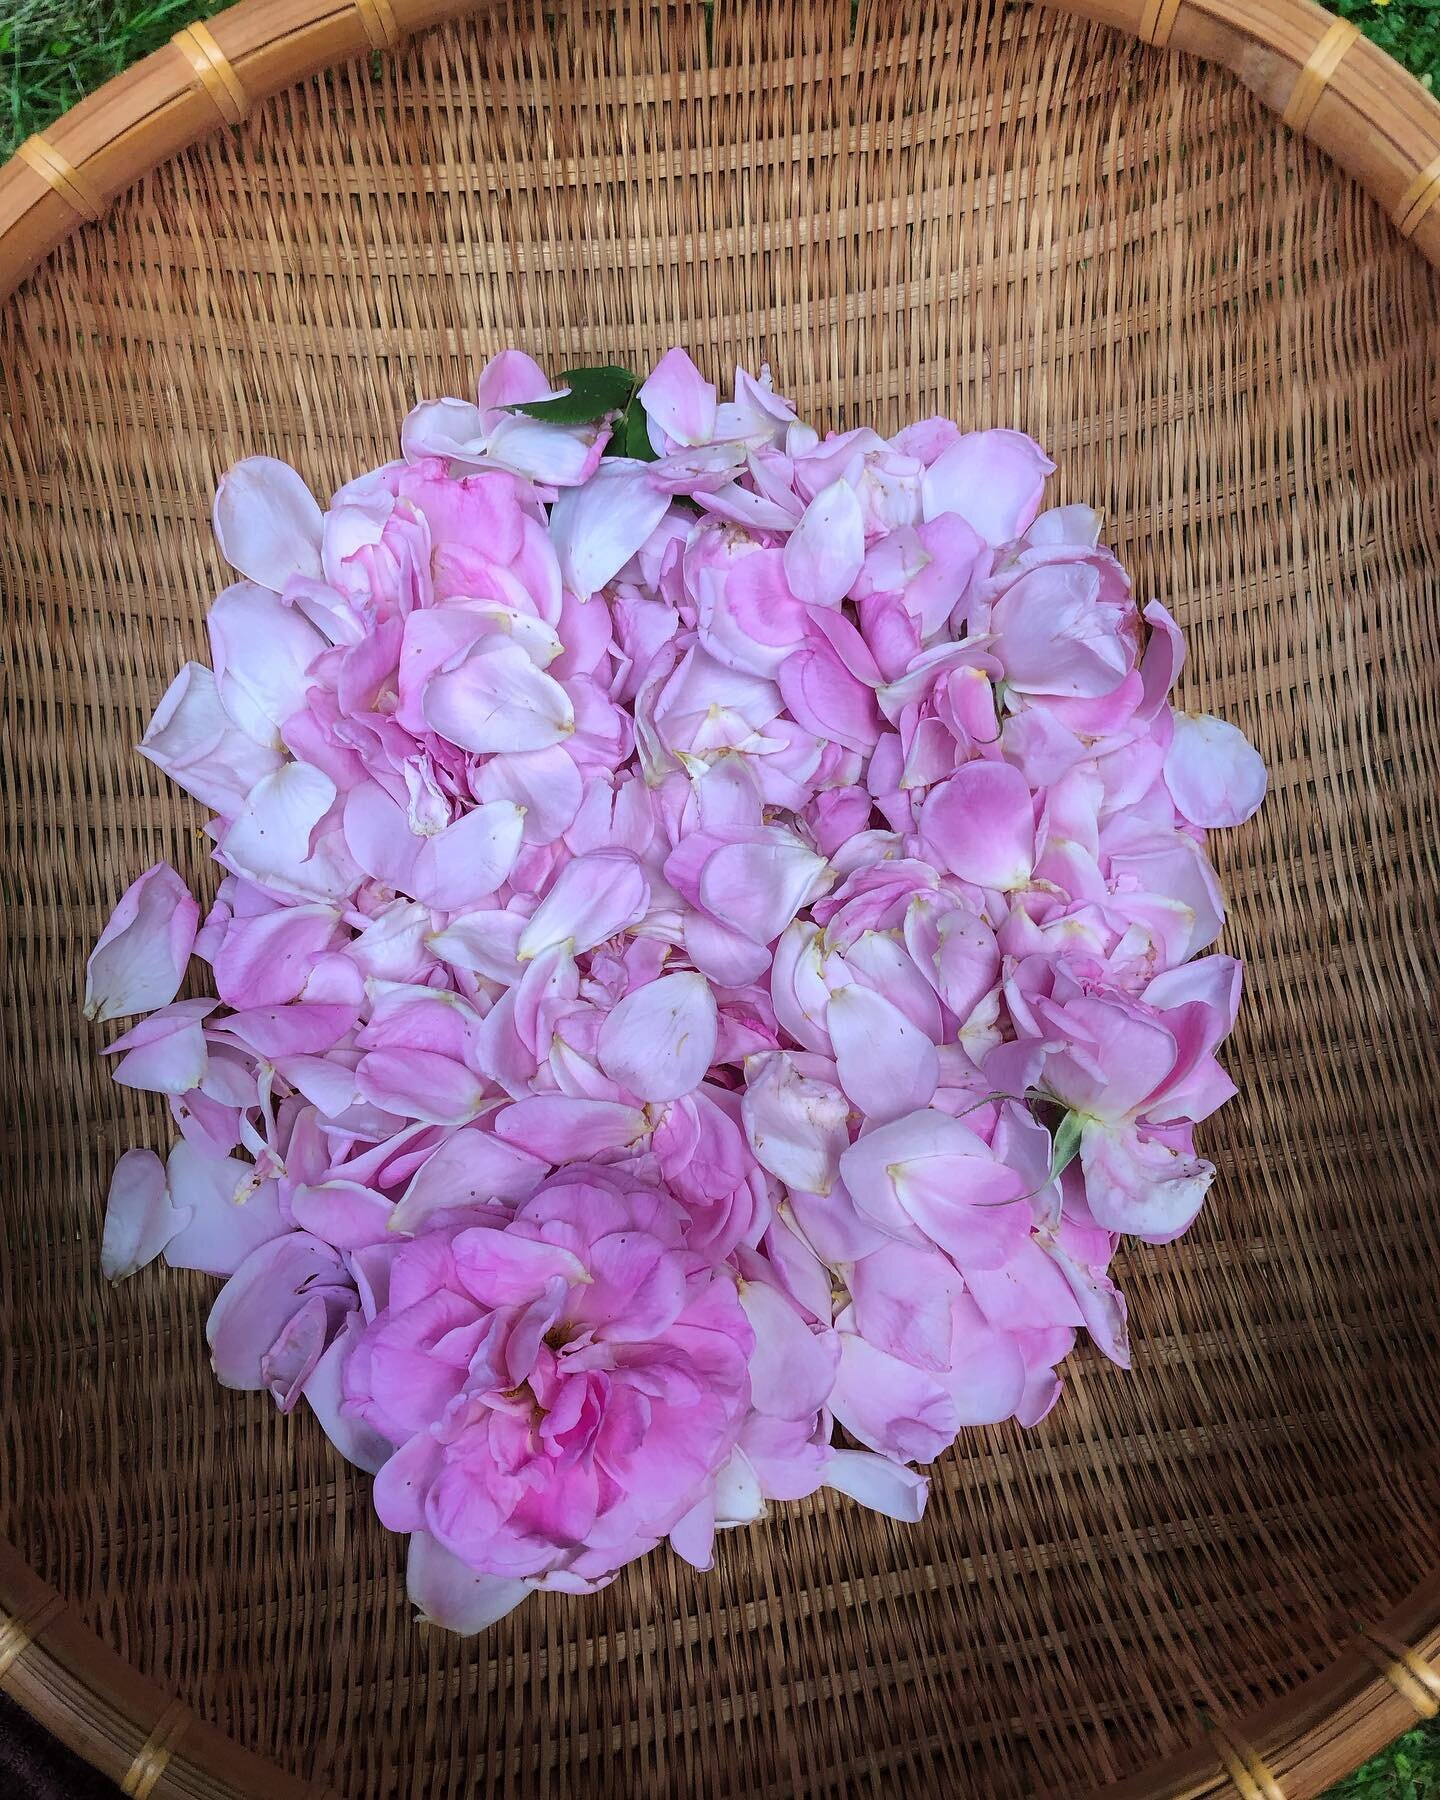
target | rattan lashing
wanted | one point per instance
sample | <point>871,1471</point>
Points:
<point>1215,1577</point>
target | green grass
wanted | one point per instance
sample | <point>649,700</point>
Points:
<point>54,51</point>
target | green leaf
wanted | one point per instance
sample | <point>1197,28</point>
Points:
<point>631,436</point>
<point>593,393</point>
<point>1065,1144</point>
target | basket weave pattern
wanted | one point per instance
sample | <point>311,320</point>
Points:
<point>994,213</point>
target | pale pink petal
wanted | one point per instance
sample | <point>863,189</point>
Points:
<point>824,553</point>
<point>593,898</point>
<point>267,523</point>
<point>956,951</point>
<point>261,651</point>
<point>1215,775</point>
<point>792,1368</point>
<point>679,400</point>
<point>1140,1185</point>
<point>901,1412</point>
<point>1102,1305</point>
<point>468,860</point>
<point>449,1593</point>
<point>470,1169</point>
<point>343,1213</point>
<point>757,888</point>
<point>1163,659</point>
<point>887,1066</point>
<point>223,1228</point>
<point>798,989</point>
<point>510,378</point>
<point>195,741</point>
<point>659,1041</point>
<point>560,1129</point>
<point>356,1441</point>
<point>260,1299</point>
<point>597,528</point>
<point>540,449</point>
<point>797,1126</point>
<point>378,835</point>
<point>420,1084</point>
<point>693,1536</point>
<point>265,959</point>
<point>824,697</point>
<point>484,942</point>
<point>165,1053</point>
<point>904,1298</point>
<point>450,428</point>
<point>994,479</point>
<point>879,1482</point>
<point>729,958</point>
<point>929,1170</point>
<point>981,824</point>
<point>270,837</point>
<point>545,783</point>
<point>496,699</point>
<point>139,960</point>
<point>139,1217</point>
<point>502,1268</point>
<point>301,1028</point>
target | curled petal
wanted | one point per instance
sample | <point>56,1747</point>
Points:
<point>449,1593</point>
<point>139,1217</point>
<point>879,1482</point>
<point>139,961</point>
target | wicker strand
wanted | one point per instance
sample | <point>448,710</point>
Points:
<point>62,175</point>
<point>1244,1766</point>
<point>1414,1679</point>
<point>23,1629</point>
<point>155,1753</point>
<point>196,43</point>
<point>1315,76</point>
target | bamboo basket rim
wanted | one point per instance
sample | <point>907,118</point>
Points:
<point>1328,82</point>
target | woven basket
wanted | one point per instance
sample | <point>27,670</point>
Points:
<point>1198,1580</point>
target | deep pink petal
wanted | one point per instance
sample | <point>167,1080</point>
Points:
<point>981,825</point>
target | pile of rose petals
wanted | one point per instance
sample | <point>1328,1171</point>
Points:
<point>708,963</point>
